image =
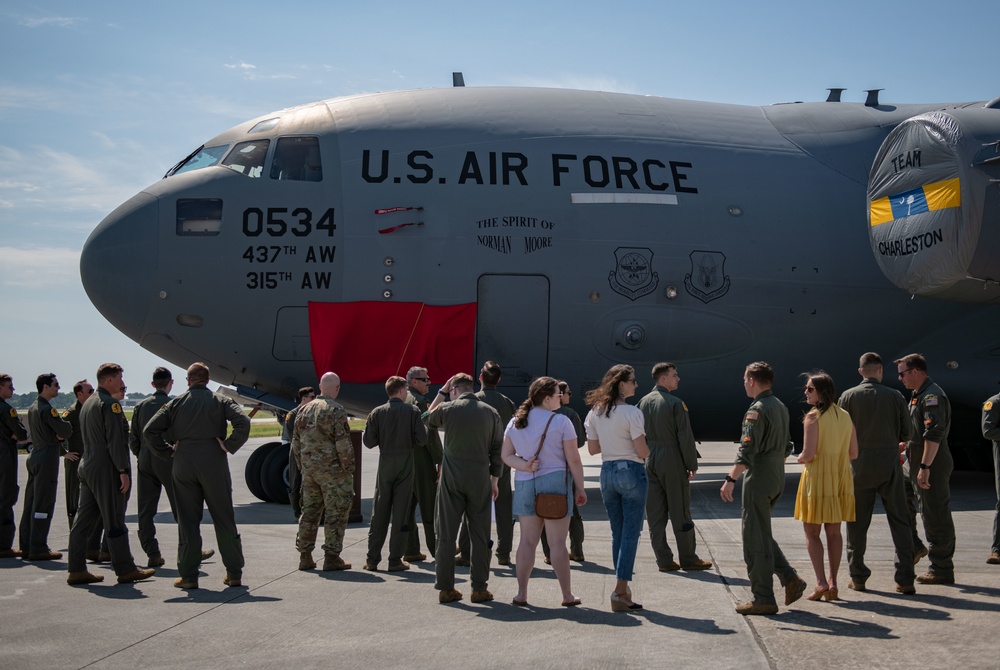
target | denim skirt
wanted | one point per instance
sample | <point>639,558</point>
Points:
<point>525,490</point>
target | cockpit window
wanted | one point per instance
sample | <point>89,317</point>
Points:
<point>248,157</point>
<point>202,157</point>
<point>297,158</point>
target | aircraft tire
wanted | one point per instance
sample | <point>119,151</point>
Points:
<point>274,475</point>
<point>255,463</point>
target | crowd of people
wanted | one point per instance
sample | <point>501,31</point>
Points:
<point>870,442</point>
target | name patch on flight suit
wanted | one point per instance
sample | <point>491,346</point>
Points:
<point>116,408</point>
<point>988,405</point>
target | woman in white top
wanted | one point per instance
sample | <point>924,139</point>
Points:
<point>617,431</point>
<point>540,446</point>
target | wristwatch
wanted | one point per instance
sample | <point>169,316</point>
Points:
<point>443,392</point>
<point>730,479</point>
<point>924,466</point>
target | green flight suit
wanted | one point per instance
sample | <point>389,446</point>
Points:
<point>153,474</point>
<point>195,421</point>
<point>991,431</point>
<point>881,421</point>
<point>74,444</point>
<point>472,440</point>
<point>321,445</point>
<point>575,521</point>
<point>425,462</point>
<point>105,458</point>
<point>294,476</point>
<point>396,429</point>
<point>672,454</point>
<point>765,444</point>
<point>47,429</point>
<point>11,432</point>
<point>503,506</point>
<point>930,416</point>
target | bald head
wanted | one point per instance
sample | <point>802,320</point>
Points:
<point>329,385</point>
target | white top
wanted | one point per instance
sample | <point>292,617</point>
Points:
<point>616,432</point>
<point>551,458</point>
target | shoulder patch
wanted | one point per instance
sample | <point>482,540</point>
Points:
<point>288,416</point>
<point>66,414</point>
<point>684,405</point>
<point>752,415</point>
<point>55,413</point>
<point>13,413</point>
<point>116,408</point>
<point>930,401</point>
<point>988,405</point>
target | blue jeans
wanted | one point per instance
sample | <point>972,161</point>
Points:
<point>623,487</point>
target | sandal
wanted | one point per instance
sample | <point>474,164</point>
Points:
<point>571,603</point>
<point>817,594</point>
<point>831,594</point>
<point>519,603</point>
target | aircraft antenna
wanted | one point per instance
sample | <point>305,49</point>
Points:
<point>457,79</point>
<point>834,94</point>
<point>872,100</point>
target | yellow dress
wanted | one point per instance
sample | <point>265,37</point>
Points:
<point>826,489</point>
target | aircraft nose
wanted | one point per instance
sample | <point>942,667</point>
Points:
<point>118,264</point>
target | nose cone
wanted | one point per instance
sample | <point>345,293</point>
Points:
<point>118,264</point>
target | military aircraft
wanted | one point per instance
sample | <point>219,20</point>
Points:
<point>559,232</point>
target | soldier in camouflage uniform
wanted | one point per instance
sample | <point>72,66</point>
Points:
<point>11,432</point>
<point>322,449</point>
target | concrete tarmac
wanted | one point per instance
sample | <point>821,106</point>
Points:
<point>353,619</point>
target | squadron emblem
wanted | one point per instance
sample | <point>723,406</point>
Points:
<point>633,276</point>
<point>708,279</point>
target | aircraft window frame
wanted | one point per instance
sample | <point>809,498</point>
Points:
<point>264,126</point>
<point>297,158</point>
<point>202,157</point>
<point>199,217</point>
<point>248,158</point>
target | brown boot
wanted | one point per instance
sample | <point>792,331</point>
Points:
<point>335,562</point>
<point>306,561</point>
<point>83,577</point>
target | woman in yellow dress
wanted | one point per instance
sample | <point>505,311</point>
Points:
<point>826,489</point>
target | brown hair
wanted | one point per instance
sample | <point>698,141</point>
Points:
<point>463,382</point>
<point>761,372</point>
<point>603,398</point>
<point>394,384</point>
<point>913,362</point>
<point>197,373</point>
<point>825,389</point>
<point>539,390</point>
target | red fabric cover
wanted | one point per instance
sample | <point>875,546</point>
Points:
<point>367,342</point>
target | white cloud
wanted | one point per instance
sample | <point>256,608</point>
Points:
<point>40,266</point>
<point>59,21</point>
<point>24,97</point>
<point>241,66</point>
<point>18,185</point>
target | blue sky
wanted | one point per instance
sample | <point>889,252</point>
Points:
<point>99,99</point>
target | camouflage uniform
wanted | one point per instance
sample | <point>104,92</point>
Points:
<point>321,446</point>
<point>48,429</point>
<point>11,432</point>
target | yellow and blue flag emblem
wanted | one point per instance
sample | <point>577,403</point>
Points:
<point>927,198</point>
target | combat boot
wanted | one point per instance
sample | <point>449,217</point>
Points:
<point>306,561</point>
<point>335,562</point>
<point>136,575</point>
<point>83,577</point>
